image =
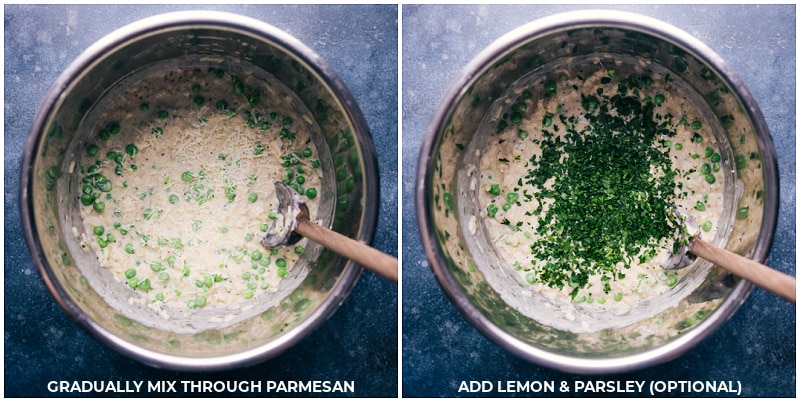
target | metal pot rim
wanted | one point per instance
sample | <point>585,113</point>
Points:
<point>182,20</point>
<point>459,87</point>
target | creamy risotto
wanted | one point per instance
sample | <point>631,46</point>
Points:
<point>577,180</point>
<point>178,186</point>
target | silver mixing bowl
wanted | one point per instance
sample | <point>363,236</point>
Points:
<point>306,298</point>
<point>467,269</point>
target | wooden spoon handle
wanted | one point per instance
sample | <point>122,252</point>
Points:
<point>369,257</point>
<point>765,277</point>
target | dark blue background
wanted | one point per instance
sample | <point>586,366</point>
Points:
<point>359,342</point>
<point>757,346</point>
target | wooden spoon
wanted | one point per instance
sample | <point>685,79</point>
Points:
<point>763,276</point>
<point>293,221</point>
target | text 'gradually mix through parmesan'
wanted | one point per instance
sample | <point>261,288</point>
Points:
<point>178,185</point>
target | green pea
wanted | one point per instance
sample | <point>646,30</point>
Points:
<point>246,275</point>
<point>248,236</point>
<point>248,294</point>
<point>256,255</point>
<point>163,114</point>
<point>252,197</point>
<point>92,149</point>
<point>130,273</point>
<point>264,227</point>
<point>315,163</point>
<point>200,300</point>
<point>741,161</point>
<point>710,178</point>
<point>98,230</point>
<point>299,249</point>
<point>700,206</point>
<point>144,107</point>
<point>491,210</point>
<point>104,134</point>
<point>547,120</point>
<point>173,199</point>
<point>678,146</point>
<point>133,282</point>
<point>311,193</point>
<point>672,280</point>
<point>506,206</point>
<point>522,133</point>
<point>280,263</point>
<point>156,266</point>
<point>743,212</point>
<point>129,248</point>
<point>709,152</point>
<point>99,206</point>
<point>512,197</point>
<point>221,105</point>
<point>87,199</point>
<point>494,189</point>
<point>307,152</point>
<point>617,296</point>
<point>187,176</point>
<point>705,169</point>
<point>707,226</point>
<point>171,261</point>
<point>144,285</point>
<point>131,149</point>
<point>696,125</point>
<point>715,158</point>
<point>282,272</point>
<point>300,179</point>
<point>659,99</point>
<point>163,276</point>
<point>550,88</point>
<point>115,129</point>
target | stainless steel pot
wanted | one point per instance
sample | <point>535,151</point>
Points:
<point>48,190</point>
<point>469,277</point>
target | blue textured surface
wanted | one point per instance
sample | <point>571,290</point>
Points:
<point>756,347</point>
<point>358,343</point>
